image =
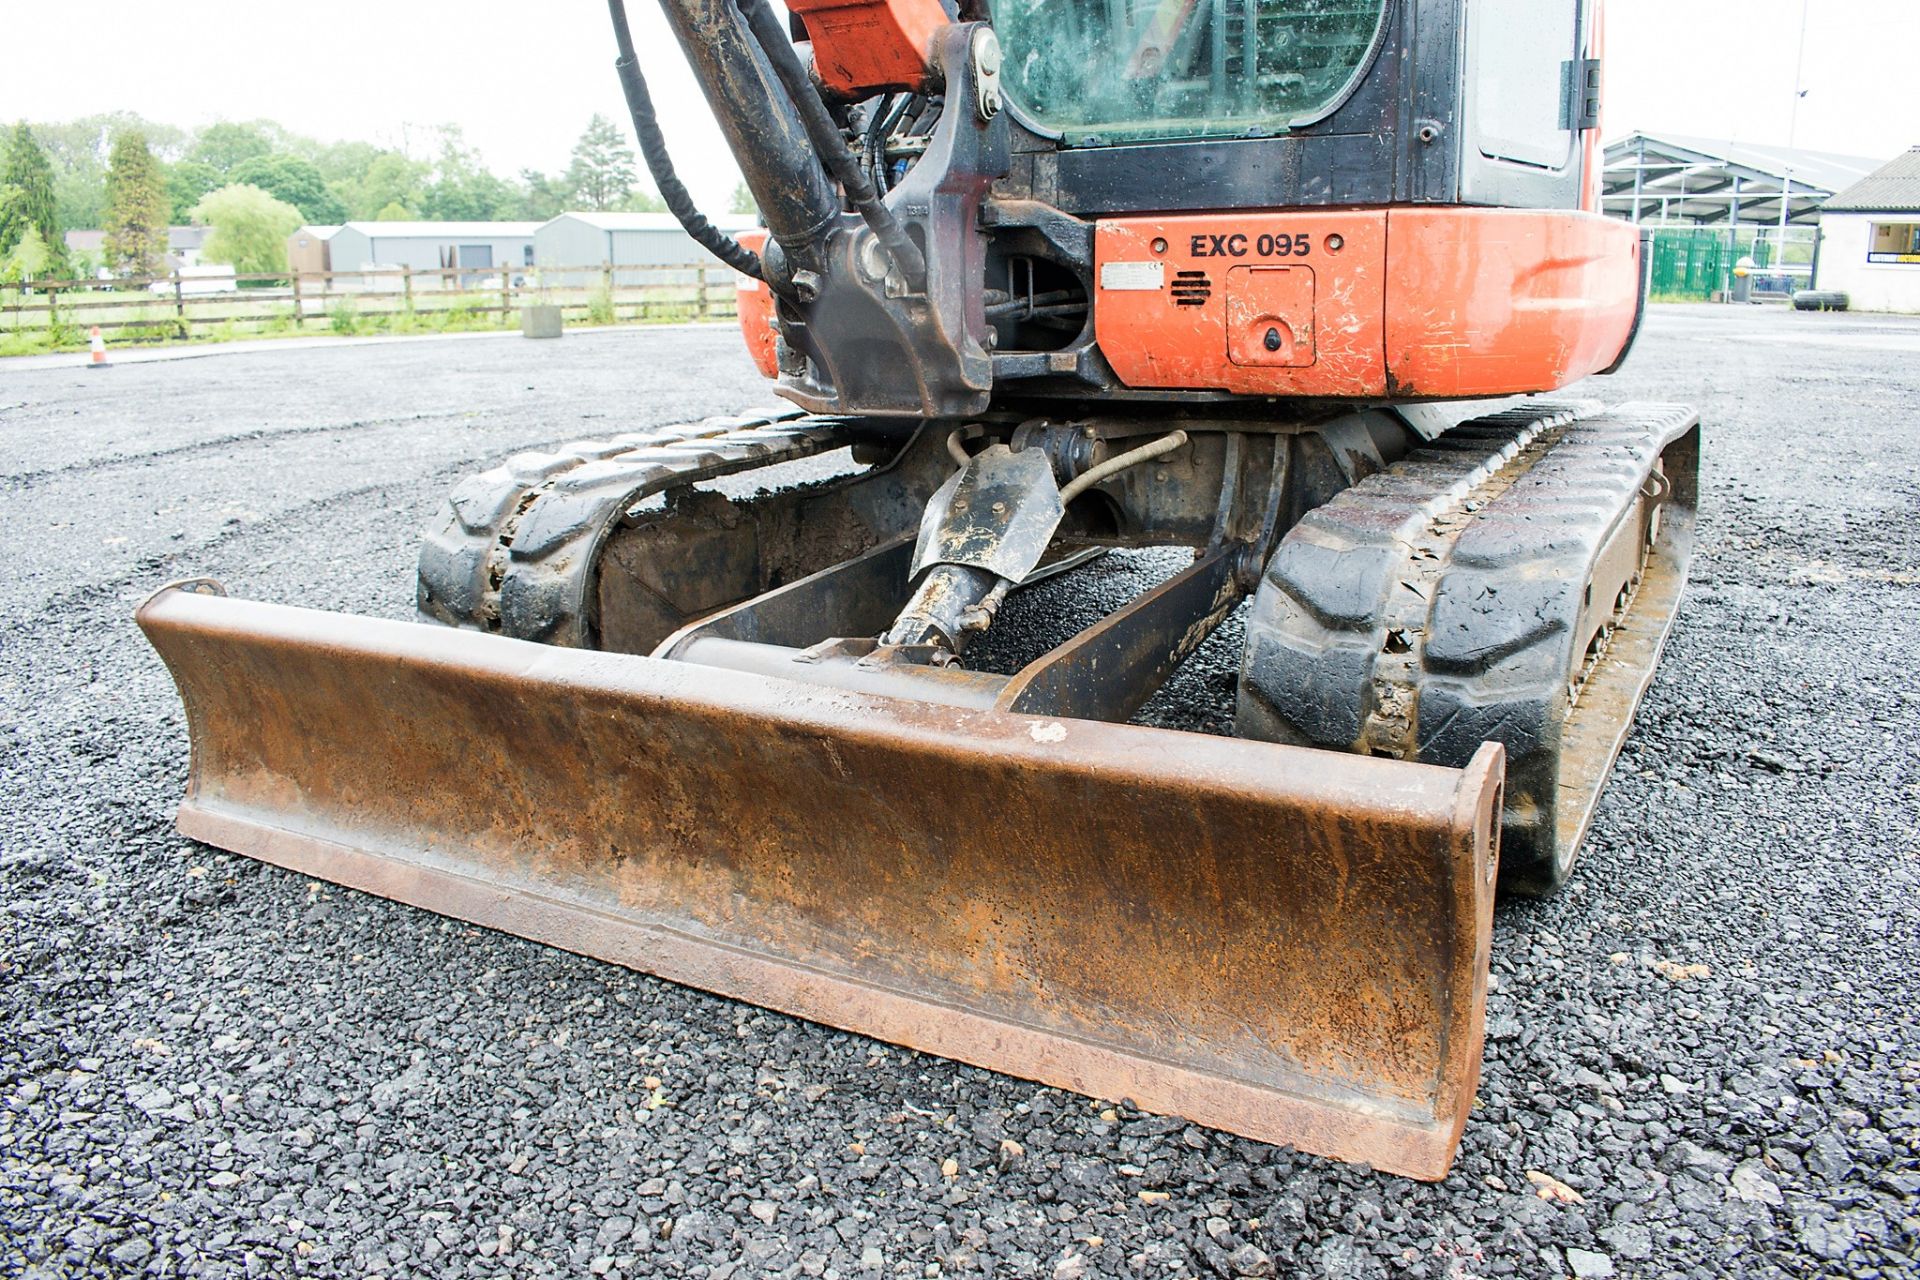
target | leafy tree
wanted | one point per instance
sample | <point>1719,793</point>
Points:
<point>601,175</point>
<point>78,150</point>
<point>226,146</point>
<point>344,161</point>
<point>475,196</point>
<point>742,201</point>
<point>390,179</point>
<point>539,197</point>
<point>394,211</point>
<point>250,228</point>
<point>643,201</point>
<point>293,181</point>
<point>29,259</point>
<point>137,208</point>
<point>187,181</point>
<point>28,204</point>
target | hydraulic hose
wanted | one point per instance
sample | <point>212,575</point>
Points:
<point>653,145</point>
<point>1114,466</point>
<point>832,147</point>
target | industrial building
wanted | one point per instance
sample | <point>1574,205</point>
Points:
<point>427,246</point>
<point>572,249</point>
<point>591,240</point>
<point>1669,178</point>
<point>1714,206</point>
<point>1870,239</point>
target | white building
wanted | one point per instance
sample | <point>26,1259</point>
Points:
<point>1870,239</point>
<point>428,246</point>
<point>183,245</point>
<point>575,246</point>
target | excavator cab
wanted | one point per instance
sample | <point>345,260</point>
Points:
<point>1286,284</point>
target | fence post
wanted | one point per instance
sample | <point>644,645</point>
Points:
<point>701,306</point>
<point>299,307</point>
<point>506,286</point>
<point>179,304</point>
<point>606,283</point>
<point>406,285</point>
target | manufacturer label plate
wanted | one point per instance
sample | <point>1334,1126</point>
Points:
<point>1137,276</point>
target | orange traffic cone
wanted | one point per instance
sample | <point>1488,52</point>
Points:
<point>98,345</point>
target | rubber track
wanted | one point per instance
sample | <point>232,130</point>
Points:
<point>1432,607</point>
<point>514,548</point>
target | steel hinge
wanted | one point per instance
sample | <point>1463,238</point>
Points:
<point>1580,94</point>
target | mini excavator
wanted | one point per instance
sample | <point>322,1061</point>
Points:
<point>1288,285</point>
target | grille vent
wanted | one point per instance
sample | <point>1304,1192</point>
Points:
<point>1191,288</point>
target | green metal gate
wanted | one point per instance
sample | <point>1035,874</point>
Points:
<point>1690,264</point>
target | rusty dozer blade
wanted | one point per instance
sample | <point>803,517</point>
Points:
<point>1285,943</point>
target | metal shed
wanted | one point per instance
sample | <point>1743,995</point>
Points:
<point>427,246</point>
<point>573,248</point>
<point>1670,178</point>
<point>307,250</point>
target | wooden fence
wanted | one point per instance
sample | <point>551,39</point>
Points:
<point>161,308</point>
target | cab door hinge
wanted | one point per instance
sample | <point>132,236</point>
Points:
<point>1580,94</point>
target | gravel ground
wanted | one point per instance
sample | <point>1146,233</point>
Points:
<point>1703,1058</point>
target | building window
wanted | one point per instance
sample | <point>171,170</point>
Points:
<point>1895,242</point>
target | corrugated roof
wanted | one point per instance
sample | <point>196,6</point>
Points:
<point>1827,169</point>
<point>323,232</point>
<point>1892,188</point>
<point>1681,178</point>
<point>658,221</point>
<point>443,230</point>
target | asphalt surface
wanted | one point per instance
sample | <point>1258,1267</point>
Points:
<point>1703,1057</point>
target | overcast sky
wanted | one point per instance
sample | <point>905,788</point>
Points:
<point>523,78</point>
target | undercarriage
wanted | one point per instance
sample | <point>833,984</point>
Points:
<point>747,749</point>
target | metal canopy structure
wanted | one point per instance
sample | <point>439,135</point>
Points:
<point>1671,178</point>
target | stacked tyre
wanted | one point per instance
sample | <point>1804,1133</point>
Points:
<point>1819,300</point>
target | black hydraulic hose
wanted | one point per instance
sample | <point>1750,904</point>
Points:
<point>653,145</point>
<point>877,135</point>
<point>833,149</point>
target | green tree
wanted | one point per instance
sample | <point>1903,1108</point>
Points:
<point>601,175</point>
<point>78,150</point>
<point>137,208</point>
<point>742,201</point>
<point>250,228</point>
<point>476,196</point>
<point>293,181</point>
<point>344,161</point>
<point>389,179</point>
<point>187,181</point>
<point>29,259</point>
<point>539,197</point>
<point>228,145</point>
<point>28,204</point>
<point>393,211</point>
